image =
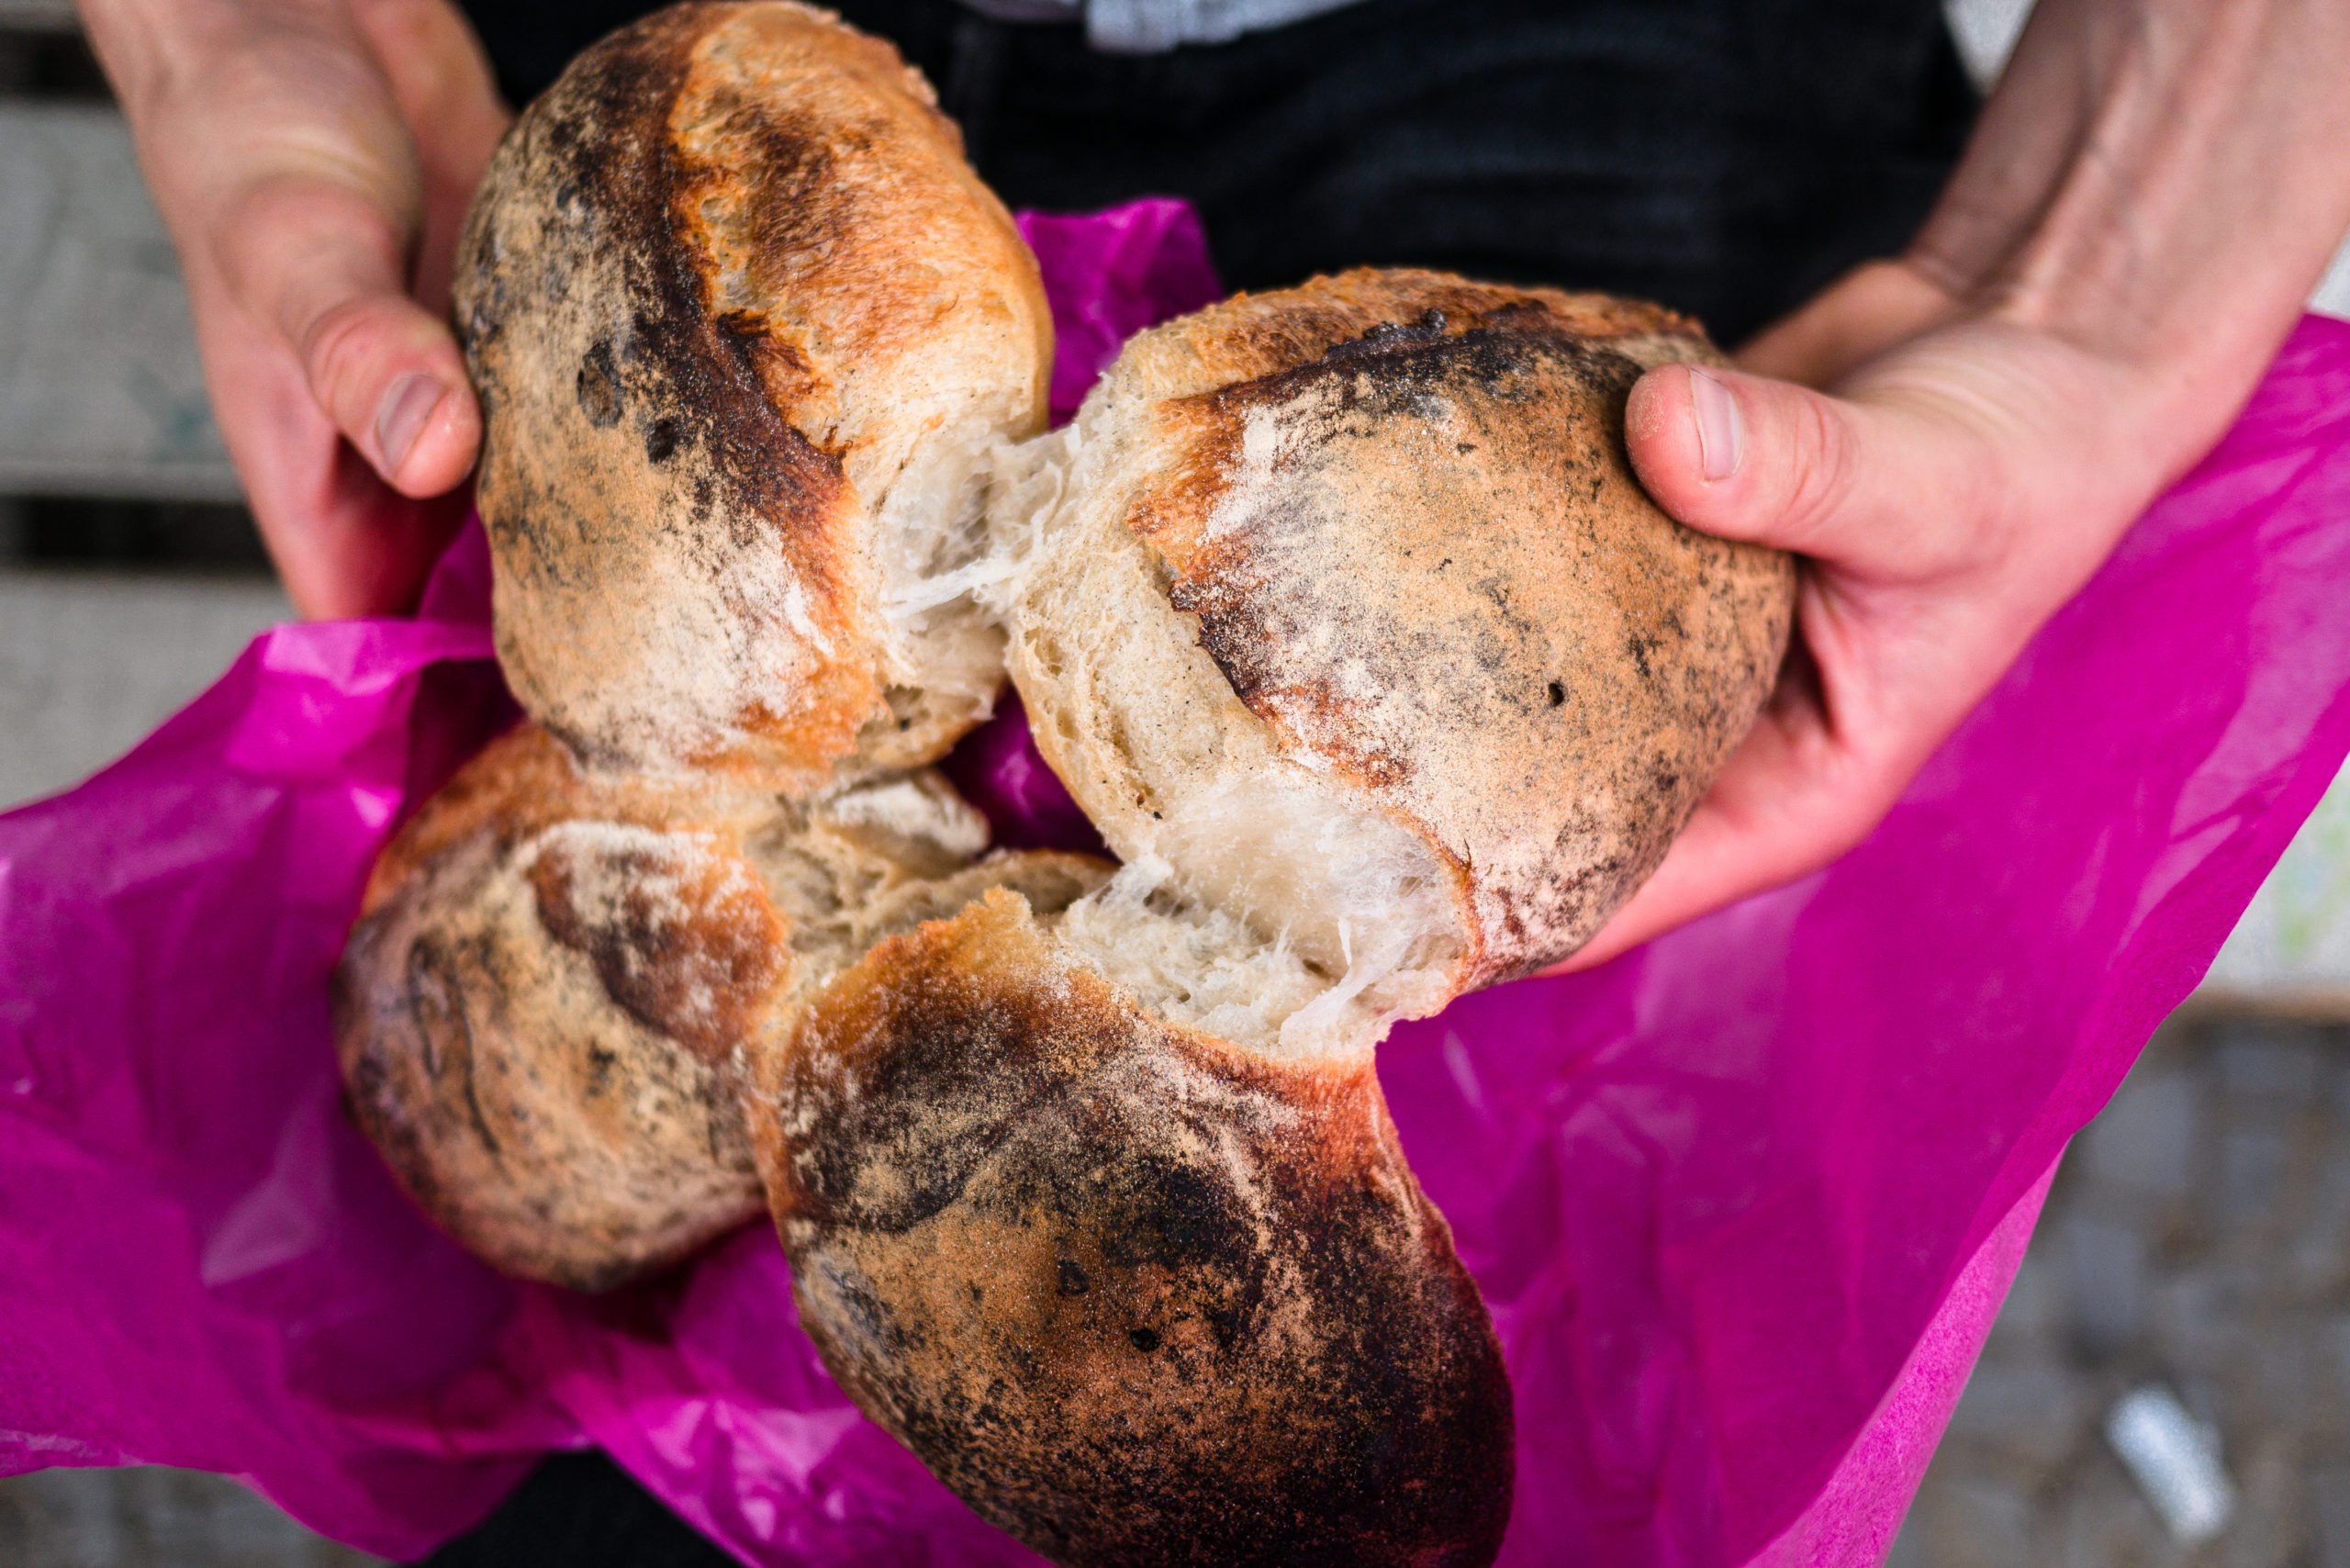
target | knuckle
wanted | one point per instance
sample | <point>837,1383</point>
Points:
<point>1822,457</point>
<point>338,349</point>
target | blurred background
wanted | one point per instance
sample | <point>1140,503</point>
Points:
<point>2169,1382</point>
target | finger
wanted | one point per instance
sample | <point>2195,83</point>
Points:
<point>323,264</point>
<point>1881,490</point>
<point>1858,317</point>
<point>343,544</point>
<point>440,77</point>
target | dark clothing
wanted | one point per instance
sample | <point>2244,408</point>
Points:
<point>1728,157</point>
<point>1724,156</point>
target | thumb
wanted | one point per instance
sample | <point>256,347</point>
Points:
<point>1872,485</point>
<point>322,264</point>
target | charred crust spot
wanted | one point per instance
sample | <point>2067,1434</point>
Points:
<point>661,441</point>
<point>1390,335</point>
<point>602,1064</point>
<point>1072,1280</point>
<point>1558,693</point>
<point>1637,647</point>
<point>1144,1339</point>
<point>600,387</point>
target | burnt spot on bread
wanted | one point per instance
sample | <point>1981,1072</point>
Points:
<point>1169,1279</point>
<point>661,441</point>
<point>599,387</point>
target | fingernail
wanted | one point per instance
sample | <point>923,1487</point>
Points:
<point>1721,433</point>
<point>407,409</point>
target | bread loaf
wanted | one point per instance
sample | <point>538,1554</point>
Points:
<point>1343,602</point>
<point>745,328</point>
<point>1339,611</point>
<point>1140,1294</point>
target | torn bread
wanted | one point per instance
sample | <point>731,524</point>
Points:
<point>1141,1295</point>
<point>746,330</point>
<point>1341,604</point>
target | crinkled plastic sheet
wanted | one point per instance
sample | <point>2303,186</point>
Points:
<point>1743,1202</point>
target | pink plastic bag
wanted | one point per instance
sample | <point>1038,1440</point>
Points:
<point>1743,1202</point>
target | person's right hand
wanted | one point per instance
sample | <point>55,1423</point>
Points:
<point>313,159</point>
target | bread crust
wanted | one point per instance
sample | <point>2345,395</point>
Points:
<point>1393,510</point>
<point>535,1011</point>
<point>542,1010</point>
<point>725,287</point>
<point>1138,1295</point>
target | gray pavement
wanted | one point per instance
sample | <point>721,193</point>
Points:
<point>2198,1237</point>
<point>152,1518</point>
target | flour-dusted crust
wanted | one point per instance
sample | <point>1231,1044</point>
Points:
<point>745,329</point>
<point>1139,1296</point>
<point>541,1012</point>
<point>535,1010</point>
<point>1368,555</point>
<point>1339,610</point>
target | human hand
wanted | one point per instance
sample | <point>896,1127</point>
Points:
<point>1955,441</point>
<point>313,159</point>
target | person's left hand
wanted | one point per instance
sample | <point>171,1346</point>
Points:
<point>1955,441</point>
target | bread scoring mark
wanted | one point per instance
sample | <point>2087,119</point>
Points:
<point>443,1034</point>
<point>1131,1273</point>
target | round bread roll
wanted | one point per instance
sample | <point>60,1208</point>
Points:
<point>540,1011</point>
<point>1139,1294</point>
<point>746,330</point>
<point>1342,601</point>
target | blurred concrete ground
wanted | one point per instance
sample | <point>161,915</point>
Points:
<point>2198,1236</point>
<point>90,661</point>
<point>152,1518</point>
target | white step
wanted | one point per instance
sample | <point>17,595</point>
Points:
<point>100,390</point>
<point>90,663</point>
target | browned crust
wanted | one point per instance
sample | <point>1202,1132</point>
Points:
<point>1434,575</point>
<point>1139,1297</point>
<point>534,1013</point>
<point>699,279</point>
<point>1251,336</point>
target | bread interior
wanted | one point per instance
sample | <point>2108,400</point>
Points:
<point>942,653</point>
<point>1259,899</point>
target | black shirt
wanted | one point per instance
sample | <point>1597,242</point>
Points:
<point>1728,157</point>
